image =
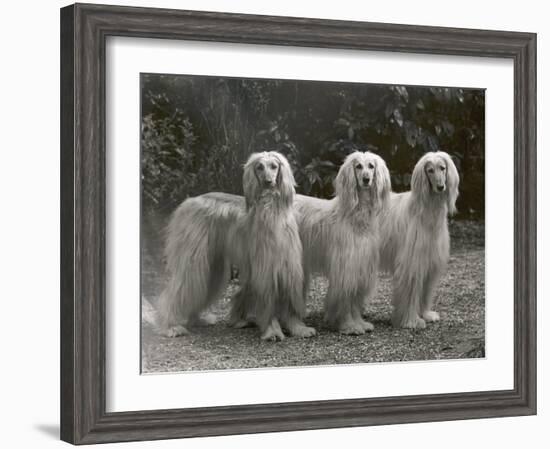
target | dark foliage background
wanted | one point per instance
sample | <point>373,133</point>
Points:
<point>197,131</point>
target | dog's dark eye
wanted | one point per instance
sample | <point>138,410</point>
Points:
<point>442,167</point>
<point>430,170</point>
<point>273,166</point>
<point>260,168</point>
<point>358,166</point>
<point>371,165</point>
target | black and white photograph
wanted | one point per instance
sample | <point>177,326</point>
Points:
<point>296,223</point>
<point>267,225</point>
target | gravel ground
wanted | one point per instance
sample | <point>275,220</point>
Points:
<point>459,334</point>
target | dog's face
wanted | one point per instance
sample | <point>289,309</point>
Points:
<point>268,173</point>
<point>435,176</point>
<point>360,174</point>
<point>364,166</point>
<point>266,170</point>
<point>435,169</point>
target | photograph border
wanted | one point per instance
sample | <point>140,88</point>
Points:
<point>84,30</point>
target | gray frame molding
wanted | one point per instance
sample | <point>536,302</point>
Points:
<point>84,29</point>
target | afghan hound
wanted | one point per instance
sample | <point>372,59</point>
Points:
<point>341,238</point>
<point>207,234</point>
<point>415,238</point>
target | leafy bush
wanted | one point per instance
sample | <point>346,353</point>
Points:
<point>198,131</point>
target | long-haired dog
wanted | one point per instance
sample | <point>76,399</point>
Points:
<point>341,238</point>
<point>415,238</point>
<point>207,234</point>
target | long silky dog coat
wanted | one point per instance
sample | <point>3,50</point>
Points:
<point>340,238</point>
<point>207,234</point>
<point>415,238</point>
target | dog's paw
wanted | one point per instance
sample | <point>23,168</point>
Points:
<point>273,332</point>
<point>431,316</point>
<point>409,322</point>
<point>175,331</point>
<point>352,329</point>
<point>368,327</point>
<point>417,323</point>
<point>208,319</point>
<point>303,332</point>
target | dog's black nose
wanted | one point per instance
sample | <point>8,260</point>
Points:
<point>440,188</point>
<point>366,180</point>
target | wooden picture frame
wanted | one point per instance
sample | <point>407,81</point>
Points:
<point>84,29</point>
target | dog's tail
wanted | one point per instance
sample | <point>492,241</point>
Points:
<point>149,315</point>
<point>197,262</point>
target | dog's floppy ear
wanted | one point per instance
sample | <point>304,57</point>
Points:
<point>452,182</point>
<point>382,181</point>
<point>345,184</point>
<point>251,188</point>
<point>285,179</point>
<point>420,185</point>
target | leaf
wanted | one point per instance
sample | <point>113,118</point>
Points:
<point>420,105</point>
<point>437,92</point>
<point>402,90</point>
<point>389,109</point>
<point>342,122</point>
<point>398,116</point>
<point>311,166</point>
<point>313,177</point>
<point>411,133</point>
<point>351,133</point>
